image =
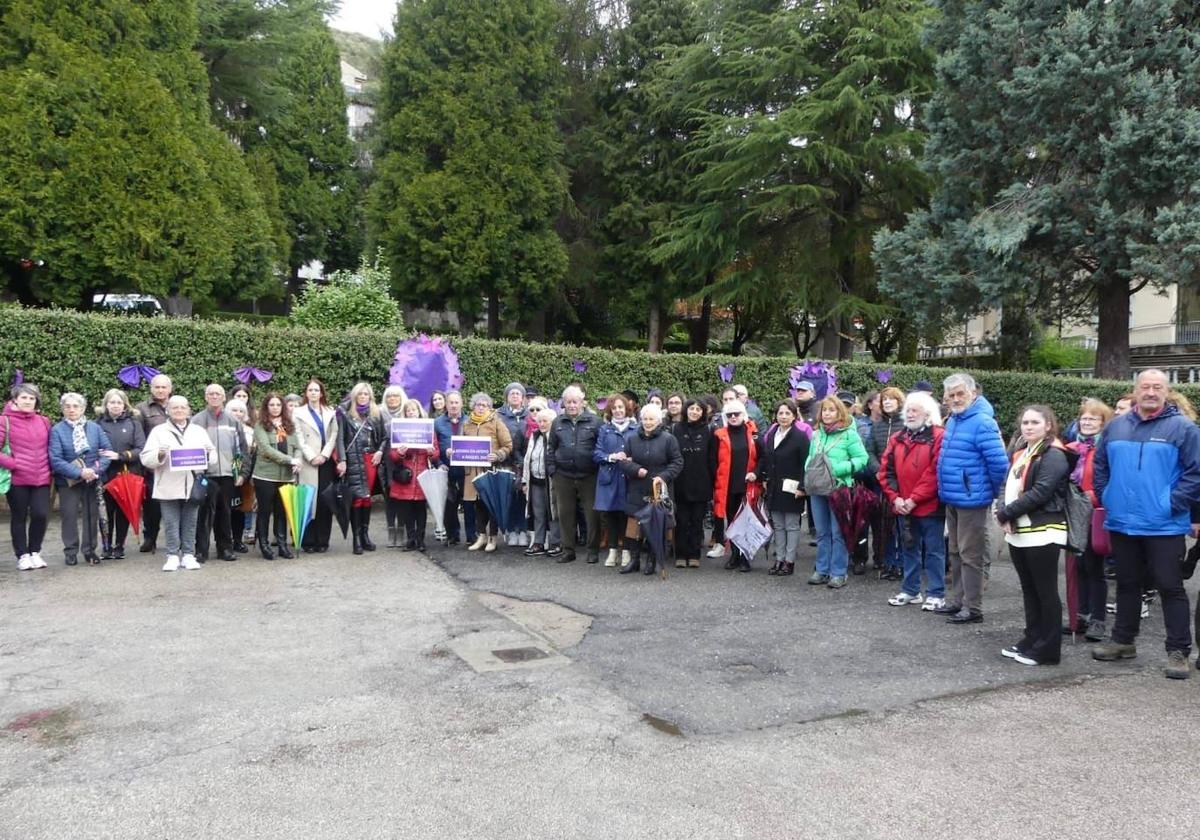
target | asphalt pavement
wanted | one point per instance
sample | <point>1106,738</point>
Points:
<point>339,696</point>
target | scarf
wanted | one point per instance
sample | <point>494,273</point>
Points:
<point>832,430</point>
<point>1083,445</point>
<point>79,436</point>
<point>316,417</point>
<point>480,418</point>
<point>621,425</point>
<point>362,409</point>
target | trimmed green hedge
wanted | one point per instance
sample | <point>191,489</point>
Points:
<point>61,350</point>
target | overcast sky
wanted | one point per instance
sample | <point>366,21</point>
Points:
<point>366,16</point>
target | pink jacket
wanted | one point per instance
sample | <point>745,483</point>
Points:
<point>30,435</point>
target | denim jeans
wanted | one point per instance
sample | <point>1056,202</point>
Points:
<point>927,554</point>
<point>179,525</point>
<point>832,558</point>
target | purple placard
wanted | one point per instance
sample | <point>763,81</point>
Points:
<point>416,432</point>
<point>470,451</point>
<point>189,459</point>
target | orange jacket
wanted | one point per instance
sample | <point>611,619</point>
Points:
<point>724,459</point>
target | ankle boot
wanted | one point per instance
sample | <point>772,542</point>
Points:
<point>355,531</point>
<point>365,524</point>
<point>281,547</point>
<point>635,555</point>
<point>264,546</point>
<point>648,568</point>
<point>392,529</point>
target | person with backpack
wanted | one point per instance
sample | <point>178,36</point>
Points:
<point>1091,584</point>
<point>1032,513</point>
<point>836,454</point>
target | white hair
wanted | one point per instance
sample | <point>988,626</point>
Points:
<point>651,410</point>
<point>547,414</point>
<point>927,405</point>
<point>178,399</point>
<point>955,380</point>
<point>72,397</point>
<point>235,404</point>
<point>572,391</point>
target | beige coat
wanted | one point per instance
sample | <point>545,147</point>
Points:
<point>310,440</point>
<point>177,485</point>
<point>501,446</point>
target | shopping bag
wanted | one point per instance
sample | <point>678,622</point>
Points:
<point>750,528</point>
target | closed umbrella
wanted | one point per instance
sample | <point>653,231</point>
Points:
<point>656,518</point>
<point>435,485</point>
<point>299,503</point>
<point>128,491</point>
<point>495,487</point>
<point>335,497</point>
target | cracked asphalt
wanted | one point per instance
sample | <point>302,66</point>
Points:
<point>320,698</point>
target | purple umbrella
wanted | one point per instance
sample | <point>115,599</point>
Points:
<point>132,375</point>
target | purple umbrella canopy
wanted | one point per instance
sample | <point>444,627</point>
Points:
<point>131,376</point>
<point>423,365</point>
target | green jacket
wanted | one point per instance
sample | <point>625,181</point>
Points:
<point>845,450</point>
<point>269,463</point>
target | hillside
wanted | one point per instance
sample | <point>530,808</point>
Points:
<point>361,51</point>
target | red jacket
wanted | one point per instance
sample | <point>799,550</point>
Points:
<point>417,460</point>
<point>724,457</point>
<point>908,469</point>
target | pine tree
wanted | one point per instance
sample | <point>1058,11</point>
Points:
<point>1065,140</point>
<point>111,175</point>
<point>469,178</point>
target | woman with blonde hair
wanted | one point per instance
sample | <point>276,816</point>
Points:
<point>126,436</point>
<point>363,439</point>
<point>403,467</point>
<point>837,439</point>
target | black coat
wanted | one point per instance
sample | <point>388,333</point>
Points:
<point>358,444</point>
<point>127,436</point>
<point>658,454</point>
<point>1044,499</point>
<point>695,482</point>
<point>776,464</point>
<point>572,442</point>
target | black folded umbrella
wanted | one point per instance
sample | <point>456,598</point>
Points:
<point>337,498</point>
<point>1189,562</point>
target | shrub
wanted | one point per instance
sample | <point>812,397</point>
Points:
<point>361,298</point>
<point>62,350</point>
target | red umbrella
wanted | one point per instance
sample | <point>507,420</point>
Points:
<point>128,490</point>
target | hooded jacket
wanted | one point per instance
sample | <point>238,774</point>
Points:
<point>972,465</point>
<point>28,434</point>
<point>514,421</point>
<point>1147,473</point>
<point>845,451</point>
<point>695,482</point>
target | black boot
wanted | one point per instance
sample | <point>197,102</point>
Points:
<point>355,531</point>
<point>264,547</point>
<point>635,556</point>
<point>365,524</point>
<point>281,547</point>
<point>649,567</point>
<point>410,541</point>
<point>392,529</point>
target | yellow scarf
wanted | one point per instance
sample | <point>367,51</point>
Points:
<point>479,419</point>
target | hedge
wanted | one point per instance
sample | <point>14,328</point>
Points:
<point>63,350</point>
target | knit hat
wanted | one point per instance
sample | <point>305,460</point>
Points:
<point>514,386</point>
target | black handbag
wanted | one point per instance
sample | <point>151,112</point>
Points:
<point>404,475</point>
<point>199,489</point>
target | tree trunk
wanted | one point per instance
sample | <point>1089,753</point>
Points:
<point>1112,350</point>
<point>700,328</point>
<point>1017,332</point>
<point>466,323</point>
<point>177,306</point>
<point>493,315</point>
<point>536,328</point>
<point>906,350</point>
<point>845,342</point>
<point>656,328</point>
<point>828,343</point>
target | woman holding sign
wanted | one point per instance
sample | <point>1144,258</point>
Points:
<point>483,423</point>
<point>406,461</point>
<point>178,453</point>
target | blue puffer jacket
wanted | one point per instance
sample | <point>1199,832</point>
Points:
<point>1147,473</point>
<point>610,480</point>
<point>972,466</point>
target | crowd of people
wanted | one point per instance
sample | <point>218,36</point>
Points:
<point>905,482</point>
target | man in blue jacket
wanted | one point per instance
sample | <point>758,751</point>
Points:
<point>971,472</point>
<point>446,427</point>
<point>1147,475</point>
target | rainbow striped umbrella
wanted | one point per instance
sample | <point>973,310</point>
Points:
<point>299,503</point>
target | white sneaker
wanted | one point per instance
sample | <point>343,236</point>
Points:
<point>479,543</point>
<point>611,559</point>
<point>716,552</point>
<point>510,539</point>
<point>524,538</point>
<point>172,564</point>
<point>36,561</point>
<point>189,563</point>
<point>904,598</point>
<point>932,604</point>
<point>491,545</point>
<point>625,558</point>
<point>24,563</point>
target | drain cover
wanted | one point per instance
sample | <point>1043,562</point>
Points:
<point>520,654</point>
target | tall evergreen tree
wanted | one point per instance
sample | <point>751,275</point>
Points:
<point>1065,140</point>
<point>469,178</point>
<point>111,175</point>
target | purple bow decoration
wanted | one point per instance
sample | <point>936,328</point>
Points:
<point>602,403</point>
<point>132,375</point>
<point>726,372</point>
<point>18,377</point>
<point>884,376</point>
<point>579,366</point>
<point>245,374</point>
<point>555,406</point>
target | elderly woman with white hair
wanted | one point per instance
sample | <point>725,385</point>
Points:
<point>540,506</point>
<point>652,456</point>
<point>76,444</point>
<point>175,485</point>
<point>908,475</point>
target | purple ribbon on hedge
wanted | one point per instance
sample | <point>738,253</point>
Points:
<point>245,374</point>
<point>132,375</point>
<point>726,372</point>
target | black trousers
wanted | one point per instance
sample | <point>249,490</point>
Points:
<point>733,502</point>
<point>29,511</point>
<point>414,514</point>
<point>614,526</point>
<point>214,519</point>
<point>1093,588</point>
<point>393,510</point>
<point>270,509</point>
<point>484,522</point>
<point>151,512</point>
<point>1037,569</point>
<point>689,529</point>
<point>1162,559</point>
<point>118,525</point>
<point>316,535</point>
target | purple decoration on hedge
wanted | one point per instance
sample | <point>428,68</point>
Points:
<point>555,406</point>
<point>726,372</point>
<point>884,376</point>
<point>18,377</point>
<point>602,403</point>
<point>821,375</point>
<point>579,366</point>
<point>423,365</point>
<point>131,376</point>
<point>245,374</point>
